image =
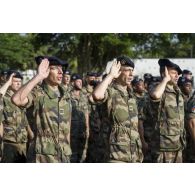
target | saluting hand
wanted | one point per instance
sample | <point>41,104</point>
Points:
<point>43,70</point>
<point>10,79</point>
<point>115,69</point>
<point>167,76</point>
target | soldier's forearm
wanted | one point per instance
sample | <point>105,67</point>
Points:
<point>159,90</point>
<point>98,93</point>
<point>4,88</point>
<point>20,97</point>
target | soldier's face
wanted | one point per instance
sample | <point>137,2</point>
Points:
<point>55,75</point>
<point>16,84</point>
<point>126,75</point>
<point>90,78</point>
<point>187,88</point>
<point>66,79</point>
<point>78,84</point>
<point>140,87</point>
<point>188,76</point>
<point>173,74</point>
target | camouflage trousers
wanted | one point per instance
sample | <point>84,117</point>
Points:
<point>42,158</point>
<point>14,152</point>
<point>168,157</point>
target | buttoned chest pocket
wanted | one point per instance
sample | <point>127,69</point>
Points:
<point>65,108</point>
<point>120,109</point>
<point>11,115</point>
<point>173,110</point>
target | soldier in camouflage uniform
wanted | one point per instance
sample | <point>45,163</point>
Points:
<point>187,74</point>
<point>80,121</point>
<point>186,88</point>
<point>139,91</point>
<point>52,111</point>
<point>169,133</point>
<point>124,141</point>
<point>147,79</point>
<point>3,90</point>
<point>190,123</point>
<point>15,125</point>
<point>147,116</point>
<point>66,80</point>
<point>94,120</point>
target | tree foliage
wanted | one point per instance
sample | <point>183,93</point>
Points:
<point>91,51</point>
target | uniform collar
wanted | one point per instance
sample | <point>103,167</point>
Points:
<point>52,93</point>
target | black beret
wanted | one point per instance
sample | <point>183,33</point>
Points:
<point>136,80</point>
<point>166,62</point>
<point>147,76</point>
<point>182,81</point>
<point>156,79</point>
<point>91,74</point>
<point>52,60</point>
<point>185,71</point>
<point>17,74</point>
<point>3,72</point>
<point>75,77</point>
<point>125,61</point>
<point>66,72</point>
<point>98,74</point>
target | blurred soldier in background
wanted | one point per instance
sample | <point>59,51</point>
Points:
<point>187,74</point>
<point>80,121</point>
<point>66,80</point>
<point>147,78</point>
<point>15,124</point>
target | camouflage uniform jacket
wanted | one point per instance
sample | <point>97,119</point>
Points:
<point>79,110</point>
<point>52,114</point>
<point>125,143</point>
<point>169,129</point>
<point>14,121</point>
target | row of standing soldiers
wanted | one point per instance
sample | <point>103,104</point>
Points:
<point>117,118</point>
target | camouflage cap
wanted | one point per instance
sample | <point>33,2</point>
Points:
<point>125,61</point>
<point>166,62</point>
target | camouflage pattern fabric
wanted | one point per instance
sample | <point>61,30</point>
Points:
<point>169,134</point>
<point>15,130</point>
<point>168,157</point>
<point>52,112</point>
<point>78,127</point>
<point>147,116</point>
<point>124,141</point>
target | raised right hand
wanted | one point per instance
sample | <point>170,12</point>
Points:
<point>43,70</point>
<point>167,76</point>
<point>115,69</point>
